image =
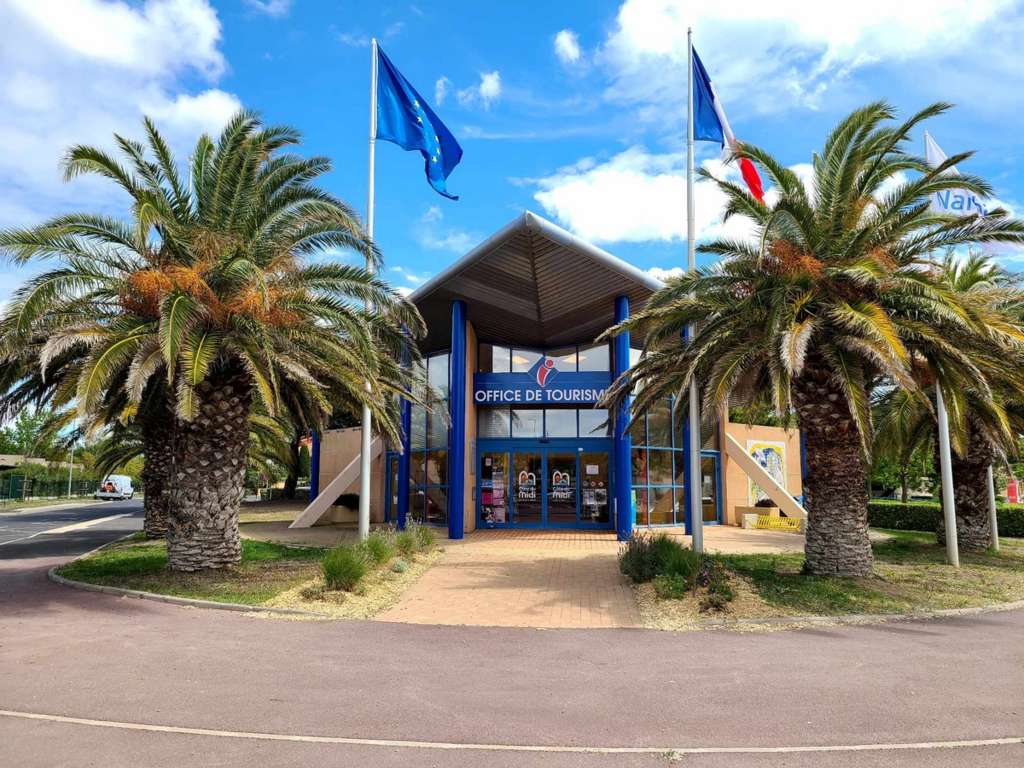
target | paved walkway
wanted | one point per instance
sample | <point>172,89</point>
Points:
<point>523,579</point>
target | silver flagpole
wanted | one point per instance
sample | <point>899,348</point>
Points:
<point>993,518</point>
<point>946,468</point>
<point>693,447</point>
<point>367,433</point>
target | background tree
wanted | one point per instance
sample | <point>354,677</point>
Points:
<point>830,298</point>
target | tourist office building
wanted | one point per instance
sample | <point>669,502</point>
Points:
<point>513,437</point>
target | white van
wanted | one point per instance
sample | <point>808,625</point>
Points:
<point>115,487</point>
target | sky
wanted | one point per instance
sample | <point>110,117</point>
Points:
<point>574,110</point>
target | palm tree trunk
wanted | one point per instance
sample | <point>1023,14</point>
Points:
<point>209,473</point>
<point>904,486</point>
<point>970,490</point>
<point>835,490</point>
<point>157,426</point>
<point>155,480</point>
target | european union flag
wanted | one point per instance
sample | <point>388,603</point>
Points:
<point>403,117</point>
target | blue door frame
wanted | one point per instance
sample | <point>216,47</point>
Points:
<point>543,447</point>
<point>717,479</point>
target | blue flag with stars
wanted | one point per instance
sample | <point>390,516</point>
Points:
<point>403,117</point>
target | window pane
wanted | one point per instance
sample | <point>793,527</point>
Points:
<point>437,422</point>
<point>493,359</point>
<point>639,466</point>
<point>659,425</point>
<point>437,468</point>
<point>436,505</point>
<point>416,501</point>
<point>494,422</point>
<point>523,360</point>
<point>661,506</point>
<point>416,467</point>
<point>418,430</point>
<point>640,506</point>
<point>660,467</point>
<point>637,432</point>
<point>709,489</point>
<point>595,358</point>
<point>591,420</point>
<point>560,422</point>
<point>527,422</point>
<point>437,374</point>
<point>419,380</point>
<point>634,356</point>
<point>680,473</point>
<point>564,357</point>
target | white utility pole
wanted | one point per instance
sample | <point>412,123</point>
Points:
<point>693,415</point>
<point>367,433</point>
<point>946,467</point>
<point>993,518</point>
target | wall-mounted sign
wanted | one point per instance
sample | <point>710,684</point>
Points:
<point>543,384</point>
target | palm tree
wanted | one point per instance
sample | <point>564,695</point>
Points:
<point>984,421</point>
<point>212,293</point>
<point>830,298</point>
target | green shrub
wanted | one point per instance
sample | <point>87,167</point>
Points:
<point>925,516</point>
<point>399,566</point>
<point>636,560</point>
<point>406,542</point>
<point>426,537</point>
<point>680,561</point>
<point>645,556</point>
<point>671,586</point>
<point>715,579</point>
<point>344,566</point>
<point>379,548</point>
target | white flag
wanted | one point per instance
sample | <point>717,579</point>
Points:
<point>956,202</point>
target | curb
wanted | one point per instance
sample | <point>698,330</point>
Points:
<point>862,618</point>
<point>85,586</point>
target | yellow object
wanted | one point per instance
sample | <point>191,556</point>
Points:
<point>778,523</point>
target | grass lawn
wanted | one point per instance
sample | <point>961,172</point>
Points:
<point>266,571</point>
<point>910,575</point>
<point>270,575</point>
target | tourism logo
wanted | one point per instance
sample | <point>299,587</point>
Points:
<point>544,371</point>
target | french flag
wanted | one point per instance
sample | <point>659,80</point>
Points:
<point>710,124</point>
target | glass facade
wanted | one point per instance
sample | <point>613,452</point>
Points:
<point>536,423</point>
<point>428,446</point>
<point>659,467</point>
<point>495,358</point>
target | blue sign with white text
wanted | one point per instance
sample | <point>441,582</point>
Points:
<point>543,384</point>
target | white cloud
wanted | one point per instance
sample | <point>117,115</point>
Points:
<point>354,39</point>
<point>486,91</point>
<point>660,273</point>
<point>567,46</point>
<point>160,36</point>
<point>793,52</point>
<point>271,7</point>
<point>441,88</point>
<point>636,196</point>
<point>431,233</point>
<point>76,71</point>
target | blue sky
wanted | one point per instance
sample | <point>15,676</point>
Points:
<point>571,109</point>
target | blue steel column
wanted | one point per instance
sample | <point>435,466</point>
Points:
<point>621,446</point>
<point>457,412</point>
<point>314,466</point>
<point>403,466</point>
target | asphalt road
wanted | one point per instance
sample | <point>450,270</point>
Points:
<point>161,685</point>
<point>28,533</point>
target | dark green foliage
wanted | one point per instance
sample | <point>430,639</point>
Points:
<point>344,567</point>
<point>676,570</point>
<point>670,586</point>
<point>925,516</point>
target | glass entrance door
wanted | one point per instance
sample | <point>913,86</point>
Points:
<point>594,488</point>
<point>527,477</point>
<point>561,490</point>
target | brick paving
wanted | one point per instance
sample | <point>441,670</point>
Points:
<point>523,579</point>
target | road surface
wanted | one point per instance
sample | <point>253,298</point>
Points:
<point>90,679</point>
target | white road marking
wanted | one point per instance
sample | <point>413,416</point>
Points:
<point>85,524</point>
<point>445,745</point>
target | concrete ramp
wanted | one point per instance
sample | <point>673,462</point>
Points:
<point>782,498</point>
<point>318,506</point>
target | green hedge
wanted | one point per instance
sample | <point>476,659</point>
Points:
<point>925,516</point>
